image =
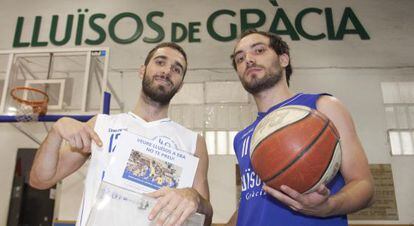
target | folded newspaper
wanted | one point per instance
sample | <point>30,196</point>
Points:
<point>140,165</point>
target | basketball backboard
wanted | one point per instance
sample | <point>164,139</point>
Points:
<point>75,79</point>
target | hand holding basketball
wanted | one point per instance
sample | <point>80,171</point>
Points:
<point>78,134</point>
<point>315,203</point>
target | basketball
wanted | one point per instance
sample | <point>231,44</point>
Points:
<point>295,146</point>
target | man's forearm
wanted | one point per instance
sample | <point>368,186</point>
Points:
<point>353,197</point>
<point>46,160</point>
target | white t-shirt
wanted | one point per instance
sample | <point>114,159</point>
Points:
<point>108,128</point>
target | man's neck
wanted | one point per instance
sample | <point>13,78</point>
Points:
<point>272,96</point>
<point>150,110</point>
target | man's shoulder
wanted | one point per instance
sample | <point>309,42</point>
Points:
<point>328,102</point>
<point>333,108</point>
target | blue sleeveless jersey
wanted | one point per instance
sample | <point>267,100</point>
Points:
<point>258,208</point>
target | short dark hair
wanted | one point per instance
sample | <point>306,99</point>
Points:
<point>275,42</point>
<point>169,45</point>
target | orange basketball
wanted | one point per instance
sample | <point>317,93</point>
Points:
<point>295,146</point>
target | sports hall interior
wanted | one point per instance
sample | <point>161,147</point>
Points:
<point>358,51</point>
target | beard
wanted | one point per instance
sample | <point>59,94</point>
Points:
<point>158,93</point>
<point>257,85</point>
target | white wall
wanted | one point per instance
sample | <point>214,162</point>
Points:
<point>350,69</point>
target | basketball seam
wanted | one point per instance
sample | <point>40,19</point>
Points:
<point>258,144</point>
<point>319,115</point>
<point>333,153</point>
<point>301,154</point>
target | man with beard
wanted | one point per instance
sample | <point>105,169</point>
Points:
<point>262,62</point>
<point>68,144</point>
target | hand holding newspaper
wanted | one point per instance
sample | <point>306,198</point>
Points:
<point>140,165</point>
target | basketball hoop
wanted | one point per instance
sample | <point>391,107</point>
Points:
<point>33,103</point>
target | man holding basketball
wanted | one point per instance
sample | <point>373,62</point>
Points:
<point>262,62</point>
<point>68,144</point>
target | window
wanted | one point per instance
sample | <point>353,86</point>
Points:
<point>220,142</point>
<point>398,99</point>
<point>401,142</point>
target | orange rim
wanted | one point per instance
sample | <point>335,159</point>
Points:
<point>39,106</point>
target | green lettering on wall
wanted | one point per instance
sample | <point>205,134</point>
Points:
<point>116,19</point>
<point>18,34</point>
<point>349,15</point>
<point>174,29</point>
<point>79,29</point>
<point>193,27</point>
<point>245,24</point>
<point>212,32</point>
<point>53,30</point>
<point>156,27</point>
<point>97,28</point>
<point>330,24</point>
<point>36,32</point>
<point>281,16</point>
<point>299,24</point>
<point>216,26</point>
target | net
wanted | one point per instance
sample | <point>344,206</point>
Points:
<point>30,103</point>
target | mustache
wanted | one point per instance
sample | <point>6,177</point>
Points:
<point>252,66</point>
<point>163,77</point>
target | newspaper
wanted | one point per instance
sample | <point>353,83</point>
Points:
<point>140,165</point>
